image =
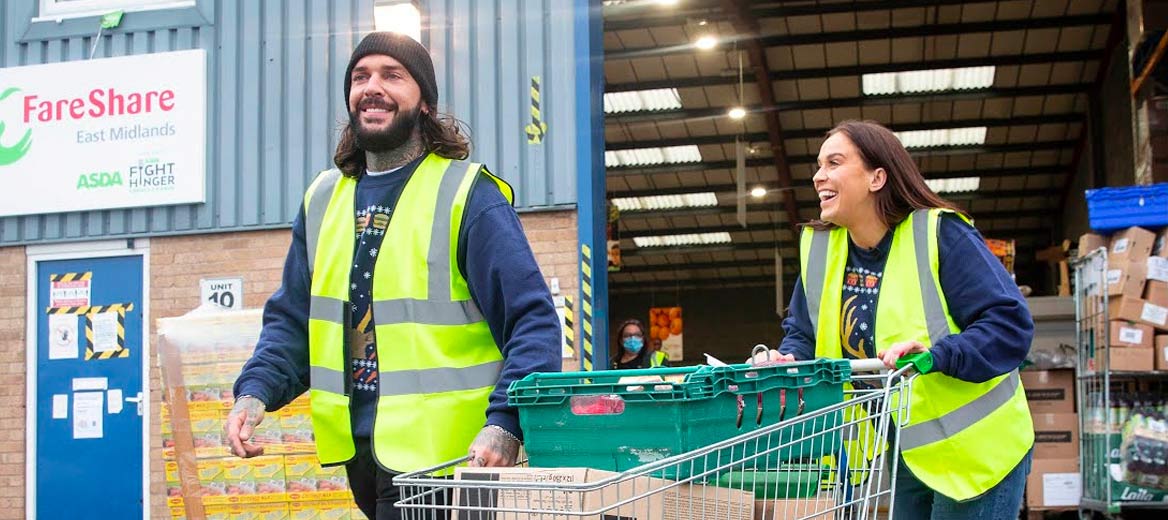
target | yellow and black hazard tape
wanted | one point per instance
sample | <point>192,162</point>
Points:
<point>70,277</point>
<point>91,309</point>
<point>586,304</point>
<point>569,331</point>
<point>537,129</point>
<point>121,351</point>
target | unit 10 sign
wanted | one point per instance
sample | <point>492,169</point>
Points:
<point>226,293</point>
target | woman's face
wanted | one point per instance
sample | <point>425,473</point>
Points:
<point>631,331</point>
<point>845,185</point>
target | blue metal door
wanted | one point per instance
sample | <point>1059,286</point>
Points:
<point>89,406</point>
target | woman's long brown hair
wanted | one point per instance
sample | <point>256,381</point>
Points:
<point>441,134</point>
<point>904,190</point>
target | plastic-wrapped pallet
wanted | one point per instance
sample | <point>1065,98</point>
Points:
<point>201,354</point>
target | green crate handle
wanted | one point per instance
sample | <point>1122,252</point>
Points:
<point>921,361</point>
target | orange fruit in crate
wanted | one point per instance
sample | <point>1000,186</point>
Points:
<point>675,326</point>
<point>653,331</point>
<point>664,334</point>
<point>662,320</point>
<point>674,312</point>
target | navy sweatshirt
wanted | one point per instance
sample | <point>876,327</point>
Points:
<point>504,280</point>
<point>996,327</point>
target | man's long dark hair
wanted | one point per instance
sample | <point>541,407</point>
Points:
<point>441,134</point>
<point>905,190</point>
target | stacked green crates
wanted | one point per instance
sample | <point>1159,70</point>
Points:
<point>593,419</point>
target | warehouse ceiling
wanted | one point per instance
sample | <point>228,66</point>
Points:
<point>990,97</point>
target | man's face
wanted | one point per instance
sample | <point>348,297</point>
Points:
<point>384,103</point>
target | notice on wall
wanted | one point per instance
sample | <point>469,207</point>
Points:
<point>133,134</point>
<point>105,331</point>
<point>115,400</point>
<point>88,415</point>
<point>60,406</point>
<point>63,336</point>
<point>69,290</point>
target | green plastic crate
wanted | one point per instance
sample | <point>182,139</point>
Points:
<point>591,419</point>
<point>790,481</point>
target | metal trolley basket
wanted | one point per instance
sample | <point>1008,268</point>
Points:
<point>741,478</point>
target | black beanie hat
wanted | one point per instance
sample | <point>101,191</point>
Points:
<point>404,49</point>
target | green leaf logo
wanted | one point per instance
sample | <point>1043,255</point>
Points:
<point>11,154</point>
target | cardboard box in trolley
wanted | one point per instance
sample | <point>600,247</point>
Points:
<point>1049,391</point>
<point>682,502</point>
<point>822,506</point>
<point>1127,278</point>
<point>1056,435</point>
<point>1135,309</point>
<point>1127,359</point>
<point>1161,362</point>
<point>1128,334</point>
<point>1089,242</point>
<point>1054,483</point>
<point>1133,244</point>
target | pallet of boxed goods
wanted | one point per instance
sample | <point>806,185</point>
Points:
<point>201,354</point>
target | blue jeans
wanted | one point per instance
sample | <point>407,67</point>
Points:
<point>915,501</point>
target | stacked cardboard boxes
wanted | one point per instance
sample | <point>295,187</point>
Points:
<point>201,356</point>
<point>1137,290</point>
<point>1054,477</point>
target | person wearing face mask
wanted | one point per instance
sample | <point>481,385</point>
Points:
<point>891,269</point>
<point>632,350</point>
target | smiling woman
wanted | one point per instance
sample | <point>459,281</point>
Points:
<point>890,269</point>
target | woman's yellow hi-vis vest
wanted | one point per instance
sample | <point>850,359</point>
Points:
<point>962,438</point>
<point>438,361</point>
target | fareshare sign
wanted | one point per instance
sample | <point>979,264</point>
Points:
<point>103,134</point>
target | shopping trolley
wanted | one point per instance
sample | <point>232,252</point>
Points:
<point>845,467</point>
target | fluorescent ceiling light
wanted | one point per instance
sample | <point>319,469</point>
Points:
<point>691,239</point>
<point>758,192</point>
<point>942,137</point>
<point>687,153</point>
<point>703,199</point>
<point>706,42</point>
<point>640,100</point>
<point>400,17</point>
<point>933,80</point>
<point>956,185</point>
<point>737,113</point>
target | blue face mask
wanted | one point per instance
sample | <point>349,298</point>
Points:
<point>633,344</point>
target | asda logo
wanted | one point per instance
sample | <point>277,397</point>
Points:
<point>16,152</point>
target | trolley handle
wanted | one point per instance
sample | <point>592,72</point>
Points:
<point>921,361</point>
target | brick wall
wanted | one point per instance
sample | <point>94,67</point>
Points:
<point>12,382</point>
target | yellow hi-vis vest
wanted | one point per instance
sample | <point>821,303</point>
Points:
<point>438,361</point>
<point>961,438</point>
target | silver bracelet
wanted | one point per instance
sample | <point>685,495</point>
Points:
<point>505,432</point>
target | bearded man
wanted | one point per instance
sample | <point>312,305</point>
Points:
<point>410,296</point>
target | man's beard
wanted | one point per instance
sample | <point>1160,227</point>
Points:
<point>378,141</point>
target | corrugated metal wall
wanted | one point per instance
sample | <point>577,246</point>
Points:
<point>486,53</point>
<point>274,72</point>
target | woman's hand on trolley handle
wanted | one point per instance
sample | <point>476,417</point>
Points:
<point>898,350</point>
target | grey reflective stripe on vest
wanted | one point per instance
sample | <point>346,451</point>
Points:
<point>327,379</point>
<point>935,319</point>
<point>437,309</point>
<point>389,312</point>
<point>437,380</point>
<point>816,274</point>
<point>327,309</point>
<point>954,422</point>
<point>314,213</point>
